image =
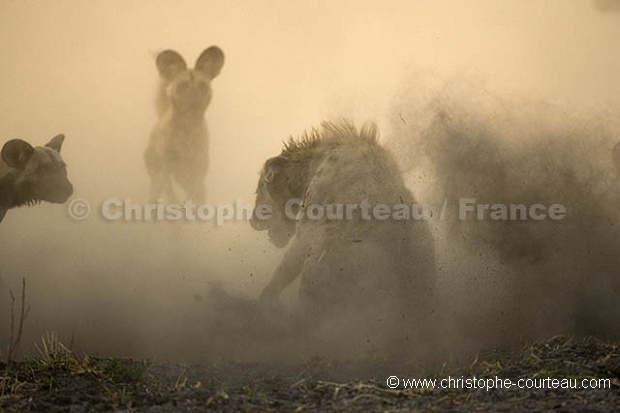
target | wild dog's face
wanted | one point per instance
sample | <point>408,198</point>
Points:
<point>189,91</point>
<point>40,174</point>
<point>273,190</point>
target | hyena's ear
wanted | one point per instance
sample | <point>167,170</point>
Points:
<point>273,167</point>
<point>16,153</point>
<point>170,63</point>
<point>210,61</point>
<point>56,142</point>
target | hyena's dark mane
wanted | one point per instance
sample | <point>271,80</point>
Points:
<point>329,135</point>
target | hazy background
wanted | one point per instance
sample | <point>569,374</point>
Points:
<point>86,69</point>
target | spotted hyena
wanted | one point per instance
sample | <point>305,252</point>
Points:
<point>358,266</point>
<point>29,175</point>
<point>178,146</point>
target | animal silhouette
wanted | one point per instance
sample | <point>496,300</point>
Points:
<point>178,149</point>
<point>29,175</point>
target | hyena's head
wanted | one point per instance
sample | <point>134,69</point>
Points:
<point>189,90</point>
<point>37,173</point>
<point>280,181</point>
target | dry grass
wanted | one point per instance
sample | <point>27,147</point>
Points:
<point>15,338</point>
<point>57,379</point>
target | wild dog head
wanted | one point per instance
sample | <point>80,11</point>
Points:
<point>188,91</point>
<point>34,174</point>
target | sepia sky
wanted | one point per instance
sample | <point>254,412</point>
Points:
<point>87,68</point>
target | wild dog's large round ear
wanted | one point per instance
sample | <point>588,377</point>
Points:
<point>211,61</point>
<point>56,142</point>
<point>170,63</point>
<point>16,153</point>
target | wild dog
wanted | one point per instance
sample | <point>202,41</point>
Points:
<point>178,147</point>
<point>29,175</point>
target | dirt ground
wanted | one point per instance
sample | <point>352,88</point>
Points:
<point>61,381</point>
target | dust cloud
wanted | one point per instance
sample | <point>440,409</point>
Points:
<point>506,279</point>
<point>183,291</point>
<point>607,5</point>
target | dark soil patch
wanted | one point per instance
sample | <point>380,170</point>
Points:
<point>68,383</point>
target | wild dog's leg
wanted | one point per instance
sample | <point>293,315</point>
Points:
<point>289,269</point>
<point>161,185</point>
<point>153,167</point>
<point>157,183</point>
<point>198,192</point>
<point>193,185</point>
<point>160,176</point>
<point>156,189</point>
<point>169,190</point>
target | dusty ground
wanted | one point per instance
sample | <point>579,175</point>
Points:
<point>60,381</point>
